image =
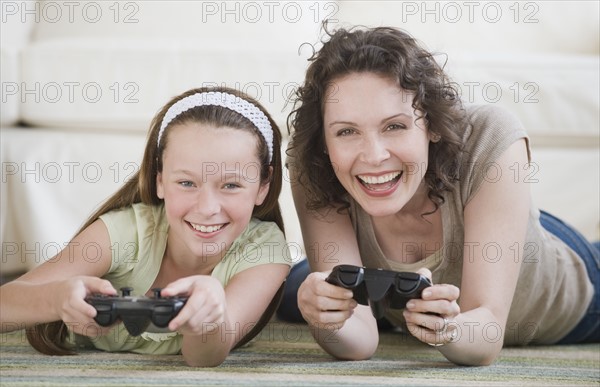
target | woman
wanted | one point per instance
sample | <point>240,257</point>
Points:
<point>391,171</point>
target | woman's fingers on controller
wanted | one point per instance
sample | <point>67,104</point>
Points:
<point>441,292</point>
<point>425,272</point>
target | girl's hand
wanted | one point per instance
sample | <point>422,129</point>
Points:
<point>431,319</point>
<point>72,308</point>
<point>204,308</point>
<point>324,305</point>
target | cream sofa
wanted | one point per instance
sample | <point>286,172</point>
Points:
<point>81,81</point>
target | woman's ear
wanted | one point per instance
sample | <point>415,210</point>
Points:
<point>434,137</point>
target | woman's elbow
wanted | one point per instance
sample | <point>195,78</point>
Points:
<point>474,360</point>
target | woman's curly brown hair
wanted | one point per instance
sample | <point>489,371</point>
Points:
<point>391,53</point>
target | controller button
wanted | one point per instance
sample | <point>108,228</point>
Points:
<point>163,309</point>
<point>157,292</point>
<point>126,291</point>
<point>348,275</point>
<point>103,308</point>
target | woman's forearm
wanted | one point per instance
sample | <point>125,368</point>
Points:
<point>479,338</point>
<point>357,339</point>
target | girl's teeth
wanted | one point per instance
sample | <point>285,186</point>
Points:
<point>206,229</point>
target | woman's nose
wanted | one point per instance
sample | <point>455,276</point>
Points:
<point>374,150</point>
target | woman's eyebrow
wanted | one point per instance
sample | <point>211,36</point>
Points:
<point>382,121</point>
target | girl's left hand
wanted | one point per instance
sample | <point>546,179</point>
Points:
<point>204,308</point>
<point>431,319</point>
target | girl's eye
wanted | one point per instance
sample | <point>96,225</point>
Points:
<point>231,186</point>
<point>186,184</point>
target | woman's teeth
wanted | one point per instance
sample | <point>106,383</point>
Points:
<point>379,179</point>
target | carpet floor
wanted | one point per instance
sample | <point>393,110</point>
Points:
<point>286,355</point>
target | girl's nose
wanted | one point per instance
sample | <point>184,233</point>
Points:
<point>208,203</point>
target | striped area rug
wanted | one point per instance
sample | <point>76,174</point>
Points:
<point>286,355</point>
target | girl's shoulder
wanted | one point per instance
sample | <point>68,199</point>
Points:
<point>137,215</point>
<point>261,231</point>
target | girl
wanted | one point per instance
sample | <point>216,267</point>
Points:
<point>390,171</point>
<point>200,219</point>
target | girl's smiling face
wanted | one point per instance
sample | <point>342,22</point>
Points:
<point>377,146</point>
<point>210,183</point>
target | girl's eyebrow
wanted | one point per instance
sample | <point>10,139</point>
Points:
<point>382,121</point>
<point>212,170</point>
<point>183,172</point>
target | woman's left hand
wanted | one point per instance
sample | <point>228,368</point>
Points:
<point>205,307</point>
<point>431,319</point>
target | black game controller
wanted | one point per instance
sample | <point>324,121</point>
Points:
<point>382,289</point>
<point>136,312</point>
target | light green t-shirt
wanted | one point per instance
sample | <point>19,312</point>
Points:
<point>138,236</point>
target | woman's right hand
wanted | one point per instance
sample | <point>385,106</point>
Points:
<point>74,311</point>
<point>324,305</point>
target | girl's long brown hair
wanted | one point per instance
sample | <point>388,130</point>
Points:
<point>50,338</point>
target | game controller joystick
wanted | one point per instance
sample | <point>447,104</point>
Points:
<point>379,288</point>
<point>136,312</point>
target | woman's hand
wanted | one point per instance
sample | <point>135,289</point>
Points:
<point>431,318</point>
<point>72,308</point>
<point>204,308</point>
<point>324,305</point>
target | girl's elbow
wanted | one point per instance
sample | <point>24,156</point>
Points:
<point>207,360</point>
<point>362,352</point>
<point>203,363</point>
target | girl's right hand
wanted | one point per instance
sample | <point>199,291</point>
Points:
<point>324,305</point>
<point>72,308</point>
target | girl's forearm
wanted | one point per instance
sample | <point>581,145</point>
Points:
<point>23,305</point>
<point>210,348</point>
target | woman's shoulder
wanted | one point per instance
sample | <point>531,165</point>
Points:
<point>490,115</point>
<point>490,127</point>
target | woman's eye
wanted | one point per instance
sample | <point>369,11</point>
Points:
<point>345,132</point>
<point>395,127</point>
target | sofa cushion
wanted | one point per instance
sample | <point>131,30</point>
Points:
<point>16,30</point>
<point>115,64</point>
<point>97,83</point>
<point>550,94</point>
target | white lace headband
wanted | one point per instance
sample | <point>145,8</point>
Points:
<point>229,101</point>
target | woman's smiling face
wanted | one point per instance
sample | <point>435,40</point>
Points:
<point>377,145</point>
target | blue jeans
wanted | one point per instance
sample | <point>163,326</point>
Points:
<point>588,330</point>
